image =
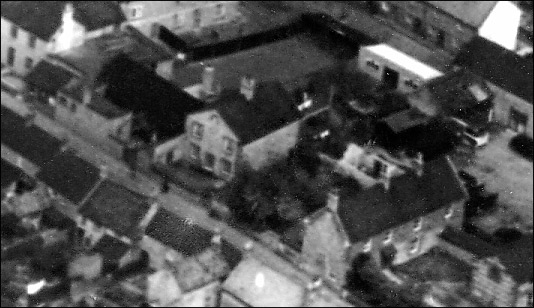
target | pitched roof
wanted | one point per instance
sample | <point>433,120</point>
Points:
<point>472,13</point>
<point>105,108</point>
<point>111,249</point>
<point>194,272</point>
<point>270,109</point>
<point>516,256</point>
<point>10,173</point>
<point>133,87</point>
<point>178,234</point>
<point>43,18</point>
<point>258,285</point>
<point>48,77</point>
<point>499,66</point>
<point>70,176</point>
<point>456,90</point>
<point>115,207</point>
<point>30,141</point>
<point>406,119</point>
<point>368,212</point>
<point>52,218</point>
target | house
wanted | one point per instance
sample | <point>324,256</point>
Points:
<point>502,272</point>
<point>31,29</point>
<point>114,210</point>
<point>395,69</point>
<point>508,75</point>
<point>405,216</point>
<point>255,284</point>
<point>159,108</point>
<point>179,16</point>
<point>458,93</point>
<point>449,25</point>
<point>251,126</point>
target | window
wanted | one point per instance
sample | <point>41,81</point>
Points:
<point>62,101</point>
<point>450,213</point>
<point>11,56</point>
<point>178,20</point>
<point>28,63</point>
<point>219,10</point>
<point>410,83</point>
<point>414,23</point>
<point>418,224</point>
<point>226,166</point>
<point>416,242</point>
<point>198,130</point>
<point>494,273</point>
<point>388,238</point>
<point>31,41</point>
<point>209,161</point>
<point>229,146</point>
<point>384,7</point>
<point>14,31</point>
<point>367,247</point>
<point>195,151</point>
<point>372,64</point>
<point>137,11</point>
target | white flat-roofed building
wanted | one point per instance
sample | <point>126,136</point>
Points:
<point>394,68</point>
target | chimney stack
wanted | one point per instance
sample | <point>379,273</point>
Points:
<point>87,95</point>
<point>315,284</point>
<point>208,80</point>
<point>248,87</point>
<point>333,200</point>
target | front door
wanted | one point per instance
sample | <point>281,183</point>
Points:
<point>390,78</point>
<point>518,121</point>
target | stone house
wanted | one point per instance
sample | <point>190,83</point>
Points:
<point>502,272</point>
<point>508,75</point>
<point>31,29</point>
<point>252,126</point>
<point>179,16</point>
<point>405,216</point>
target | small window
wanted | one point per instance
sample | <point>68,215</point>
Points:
<point>418,224</point>
<point>137,11</point>
<point>209,161</point>
<point>372,64</point>
<point>219,10</point>
<point>31,41</point>
<point>178,20</point>
<point>11,56</point>
<point>416,242</point>
<point>28,63</point>
<point>198,130</point>
<point>494,273</point>
<point>410,83</point>
<point>368,246</point>
<point>14,31</point>
<point>229,146</point>
<point>226,166</point>
<point>195,151</point>
<point>388,238</point>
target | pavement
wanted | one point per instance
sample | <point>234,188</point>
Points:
<point>178,201</point>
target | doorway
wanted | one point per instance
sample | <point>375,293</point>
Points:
<point>390,78</point>
<point>518,121</point>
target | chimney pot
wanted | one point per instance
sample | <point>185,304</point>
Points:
<point>333,200</point>
<point>208,79</point>
<point>248,87</point>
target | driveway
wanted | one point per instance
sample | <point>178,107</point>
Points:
<point>505,172</point>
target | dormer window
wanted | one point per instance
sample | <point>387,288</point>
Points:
<point>449,213</point>
<point>388,238</point>
<point>368,246</point>
<point>307,102</point>
<point>418,224</point>
<point>416,243</point>
<point>137,11</point>
<point>197,130</point>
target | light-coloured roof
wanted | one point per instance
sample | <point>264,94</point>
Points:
<point>407,62</point>
<point>260,286</point>
<point>472,13</point>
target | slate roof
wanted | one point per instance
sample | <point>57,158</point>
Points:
<point>515,256</point>
<point>111,249</point>
<point>29,141</point>
<point>105,108</point>
<point>176,233</point>
<point>133,87</point>
<point>365,213</point>
<point>457,90</point>
<point>406,119</point>
<point>69,176</point>
<point>115,207</point>
<point>48,77</point>
<point>43,18</point>
<point>499,66</point>
<point>10,174</point>
<point>270,109</point>
<point>472,13</point>
<point>52,218</point>
<point>258,285</point>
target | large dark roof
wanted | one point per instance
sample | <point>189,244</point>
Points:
<point>270,109</point>
<point>115,207</point>
<point>70,176</point>
<point>365,213</point>
<point>457,90</point>
<point>43,18</point>
<point>516,256</point>
<point>10,173</point>
<point>499,66</point>
<point>133,87</point>
<point>48,77</point>
<point>176,233</point>
<point>29,141</point>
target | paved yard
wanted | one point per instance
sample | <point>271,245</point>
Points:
<point>506,173</point>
